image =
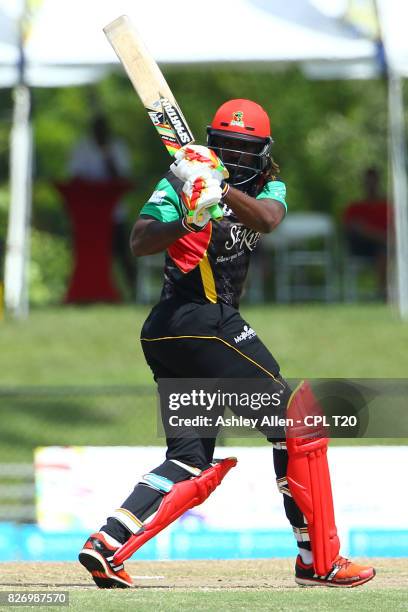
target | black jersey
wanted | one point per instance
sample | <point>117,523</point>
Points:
<point>211,265</point>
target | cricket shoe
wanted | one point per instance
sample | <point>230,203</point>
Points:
<point>344,573</point>
<point>96,556</point>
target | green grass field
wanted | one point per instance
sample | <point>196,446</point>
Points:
<point>243,600</point>
<point>238,585</point>
<point>78,376</point>
<point>99,345</point>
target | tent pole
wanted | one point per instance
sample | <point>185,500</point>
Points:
<point>400,187</point>
<point>18,233</point>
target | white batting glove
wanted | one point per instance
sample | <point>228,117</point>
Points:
<point>192,161</point>
<point>198,196</point>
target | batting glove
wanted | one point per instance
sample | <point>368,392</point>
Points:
<point>191,161</point>
<point>198,197</point>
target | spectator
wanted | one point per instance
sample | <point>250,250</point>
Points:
<point>366,224</point>
<point>100,157</point>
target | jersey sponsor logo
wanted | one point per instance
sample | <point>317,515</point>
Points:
<point>246,334</point>
<point>229,258</point>
<point>176,121</point>
<point>157,196</point>
<point>243,237</point>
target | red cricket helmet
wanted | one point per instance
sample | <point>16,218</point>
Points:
<point>242,117</point>
<point>240,134</point>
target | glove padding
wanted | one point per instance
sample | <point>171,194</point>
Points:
<point>192,161</point>
<point>198,196</point>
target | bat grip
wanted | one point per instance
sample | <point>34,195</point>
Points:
<point>216,212</point>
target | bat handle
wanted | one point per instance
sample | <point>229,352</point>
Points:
<point>216,212</point>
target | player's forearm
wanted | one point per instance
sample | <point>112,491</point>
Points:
<point>260,215</point>
<point>149,236</point>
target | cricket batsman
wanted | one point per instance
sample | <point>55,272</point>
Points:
<point>196,330</point>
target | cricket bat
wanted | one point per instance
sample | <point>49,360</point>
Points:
<point>151,87</point>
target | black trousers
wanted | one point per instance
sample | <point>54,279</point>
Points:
<point>189,340</point>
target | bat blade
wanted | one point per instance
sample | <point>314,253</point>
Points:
<point>149,83</point>
<point>151,87</point>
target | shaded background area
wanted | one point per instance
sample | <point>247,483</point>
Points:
<point>326,134</point>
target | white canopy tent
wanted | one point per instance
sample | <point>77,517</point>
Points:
<point>66,45</point>
<point>8,50</point>
<point>68,33</point>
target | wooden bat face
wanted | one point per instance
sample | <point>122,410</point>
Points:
<point>150,84</point>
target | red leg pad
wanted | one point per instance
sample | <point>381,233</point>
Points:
<point>309,483</point>
<point>182,497</point>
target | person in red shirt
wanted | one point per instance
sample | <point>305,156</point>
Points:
<point>366,224</point>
